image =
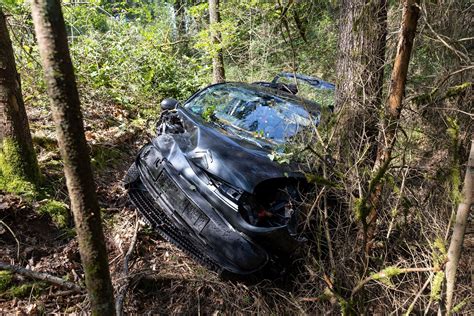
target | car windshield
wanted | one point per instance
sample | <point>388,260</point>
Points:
<point>252,113</point>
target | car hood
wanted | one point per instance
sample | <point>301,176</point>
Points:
<point>237,161</point>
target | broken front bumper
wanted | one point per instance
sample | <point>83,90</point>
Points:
<point>191,213</point>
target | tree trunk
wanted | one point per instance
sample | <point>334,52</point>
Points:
<point>59,74</point>
<point>462,214</point>
<point>361,46</point>
<point>388,136</point>
<point>180,17</point>
<point>218,73</point>
<point>17,156</point>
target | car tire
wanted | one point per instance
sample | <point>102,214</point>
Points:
<point>132,175</point>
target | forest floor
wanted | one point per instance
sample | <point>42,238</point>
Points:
<point>162,279</point>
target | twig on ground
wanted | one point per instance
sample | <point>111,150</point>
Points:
<point>123,290</point>
<point>381,275</point>
<point>16,239</point>
<point>41,276</point>
<point>417,296</point>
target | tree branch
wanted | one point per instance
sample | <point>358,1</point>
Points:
<point>42,276</point>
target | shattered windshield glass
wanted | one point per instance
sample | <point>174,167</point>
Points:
<point>252,113</point>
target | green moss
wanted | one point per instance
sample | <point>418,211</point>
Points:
<point>457,90</point>
<point>359,209</point>
<point>439,253</point>
<point>386,275</point>
<point>361,205</point>
<point>435,96</point>
<point>457,309</point>
<point>437,286</point>
<point>453,133</point>
<point>27,289</point>
<point>15,176</point>
<point>58,211</point>
<point>18,186</point>
<point>314,178</point>
<point>5,280</point>
<point>424,98</point>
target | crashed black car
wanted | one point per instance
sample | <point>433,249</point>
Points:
<point>207,182</point>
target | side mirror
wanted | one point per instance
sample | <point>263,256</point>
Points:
<point>169,104</point>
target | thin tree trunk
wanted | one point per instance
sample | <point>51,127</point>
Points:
<point>18,157</point>
<point>462,214</point>
<point>59,74</point>
<point>359,73</point>
<point>180,17</point>
<point>388,136</point>
<point>218,72</point>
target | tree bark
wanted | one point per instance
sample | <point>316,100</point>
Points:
<point>179,13</point>
<point>59,74</point>
<point>218,72</point>
<point>360,70</point>
<point>388,134</point>
<point>17,151</point>
<point>457,238</point>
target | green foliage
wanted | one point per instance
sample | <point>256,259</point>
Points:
<point>123,52</point>
<point>281,157</point>
<point>208,113</point>
<point>15,6</point>
<point>104,156</point>
<point>133,65</point>
<point>227,29</point>
<point>58,211</point>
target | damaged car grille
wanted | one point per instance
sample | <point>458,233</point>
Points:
<point>158,219</point>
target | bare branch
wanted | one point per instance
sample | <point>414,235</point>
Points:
<point>42,276</point>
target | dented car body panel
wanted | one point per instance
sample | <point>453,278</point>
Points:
<point>207,184</point>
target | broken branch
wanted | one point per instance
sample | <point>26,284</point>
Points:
<point>457,238</point>
<point>387,273</point>
<point>41,276</point>
<point>123,290</point>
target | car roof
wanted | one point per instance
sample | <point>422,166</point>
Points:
<point>312,81</point>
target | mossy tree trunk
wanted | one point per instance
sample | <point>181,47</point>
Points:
<point>218,72</point>
<point>52,40</point>
<point>457,238</point>
<point>388,133</point>
<point>359,73</point>
<point>17,156</point>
